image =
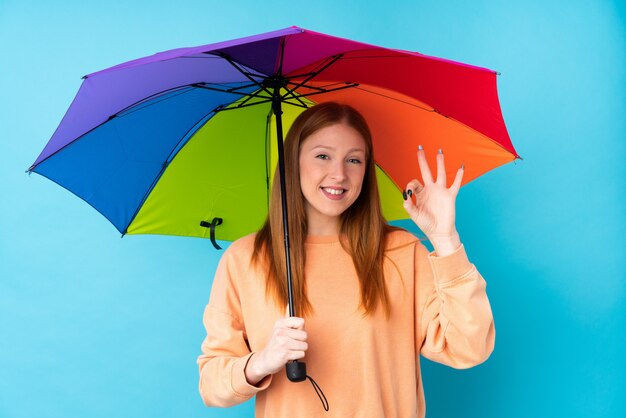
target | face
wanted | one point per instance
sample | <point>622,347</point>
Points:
<point>332,167</point>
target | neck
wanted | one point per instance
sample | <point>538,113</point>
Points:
<point>322,227</point>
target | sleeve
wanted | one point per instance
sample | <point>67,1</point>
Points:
<point>225,350</point>
<point>455,326</point>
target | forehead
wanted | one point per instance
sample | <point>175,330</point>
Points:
<point>339,137</point>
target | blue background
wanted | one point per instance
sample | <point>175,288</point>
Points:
<point>97,326</point>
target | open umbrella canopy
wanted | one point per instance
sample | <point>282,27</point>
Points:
<point>166,143</point>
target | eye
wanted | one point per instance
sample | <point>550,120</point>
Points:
<point>322,156</point>
<point>354,161</point>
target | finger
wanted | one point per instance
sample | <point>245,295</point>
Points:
<point>295,355</point>
<point>291,334</point>
<point>298,346</point>
<point>458,179</point>
<point>290,322</point>
<point>295,345</point>
<point>424,168</point>
<point>414,186</point>
<point>296,334</point>
<point>283,339</point>
<point>441,169</point>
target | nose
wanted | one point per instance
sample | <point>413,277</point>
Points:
<point>338,170</point>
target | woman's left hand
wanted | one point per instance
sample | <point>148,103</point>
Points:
<point>433,210</point>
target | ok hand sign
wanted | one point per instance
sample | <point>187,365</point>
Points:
<point>432,205</point>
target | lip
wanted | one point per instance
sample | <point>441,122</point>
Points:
<point>333,196</point>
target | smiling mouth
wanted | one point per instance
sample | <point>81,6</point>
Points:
<point>333,191</point>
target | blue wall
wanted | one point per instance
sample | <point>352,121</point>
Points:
<point>93,325</point>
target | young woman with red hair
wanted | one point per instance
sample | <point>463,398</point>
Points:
<point>370,297</point>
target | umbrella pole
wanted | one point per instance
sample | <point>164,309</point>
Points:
<point>296,371</point>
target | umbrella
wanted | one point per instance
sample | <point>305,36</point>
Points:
<point>185,141</point>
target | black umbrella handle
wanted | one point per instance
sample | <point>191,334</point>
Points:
<point>296,371</point>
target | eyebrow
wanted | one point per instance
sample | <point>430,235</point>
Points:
<point>333,149</point>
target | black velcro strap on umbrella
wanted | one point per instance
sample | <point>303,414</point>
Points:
<point>215,222</point>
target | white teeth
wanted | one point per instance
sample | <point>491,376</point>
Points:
<point>334,191</point>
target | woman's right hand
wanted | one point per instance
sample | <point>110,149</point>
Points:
<point>287,343</point>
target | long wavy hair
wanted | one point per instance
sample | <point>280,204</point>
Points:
<point>364,244</point>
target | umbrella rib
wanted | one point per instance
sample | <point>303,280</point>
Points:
<point>324,88</point>
<point>221,55</point>
<point>241,87</point>
<point>312,87</point>
<point>220,108</point>
<point>397,100</point>
<point>313,70</point>
<point>249,96</point>
<point>138,106</point>
<point>205,86</point>
<point>298,99</point>
<point>303,105</point>
<point>314,74</point>
<point>290,91</point>
<point>333,60</point>
<point>152,96</point>
<point>347,86</point>
<point>247,74</point>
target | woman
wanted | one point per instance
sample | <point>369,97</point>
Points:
<point>370,297</point>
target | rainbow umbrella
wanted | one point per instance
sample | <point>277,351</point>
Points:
<point>184,142</point>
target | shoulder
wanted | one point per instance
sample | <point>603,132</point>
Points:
<point>400,239</point>
<point>245,243</point>
<point>236,267</point>
<point>241,249</point>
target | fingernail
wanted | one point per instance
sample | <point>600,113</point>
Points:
<point>419,147</point>
<point>462,166</point>
<point>440,151</point>
<point>410,192</point>
<point>404,194</point>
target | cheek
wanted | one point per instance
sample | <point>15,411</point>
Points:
<point>359,176</point>
<point>308,178</point>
